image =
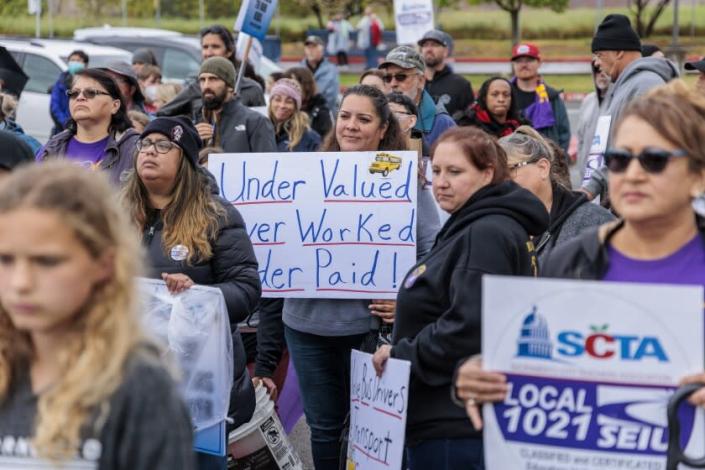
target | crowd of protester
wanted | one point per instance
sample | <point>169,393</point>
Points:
<point>83,370</point>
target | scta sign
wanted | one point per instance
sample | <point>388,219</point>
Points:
<point>600,344</point>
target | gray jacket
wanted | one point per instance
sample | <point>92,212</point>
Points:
<point>333,317</point>
<point>638,78</point>
<point>242,130</point>
<point>585,216</point>
<point>189,100</point>
<point>119,152</point>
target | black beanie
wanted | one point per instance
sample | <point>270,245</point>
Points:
<point>615,33</point>
<point>179,130</point>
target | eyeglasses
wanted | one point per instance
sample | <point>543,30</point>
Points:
<point>161,146</point>
<point>88,93</point>
<point>401,114</point>
<point>400,77</point>
<point>513,169</point>
<point>652,160</point>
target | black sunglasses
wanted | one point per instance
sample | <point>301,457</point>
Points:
<point>652,160</point>
<point>88,93</point>
<point>400,77</point>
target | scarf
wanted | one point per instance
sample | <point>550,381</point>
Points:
<point>540,112</point>
<point>490,124</point>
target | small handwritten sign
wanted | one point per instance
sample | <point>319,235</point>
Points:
<point>333,225</point>
<point>377,413</point>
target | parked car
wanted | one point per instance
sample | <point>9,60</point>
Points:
<point>179,56</point>
<point>43,60</point>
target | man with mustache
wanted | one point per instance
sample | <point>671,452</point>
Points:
<point>538,102</point>
<point>223,121</point>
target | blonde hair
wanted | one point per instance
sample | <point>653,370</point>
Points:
<point>679,119</point>
<point>8,106</point>
<point>167,92</point>
<point>106,331</point>
<point>295,127</point>
<point>193,216</point>
<point>525,144</point>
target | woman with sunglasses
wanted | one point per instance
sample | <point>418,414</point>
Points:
<point>657,170</point>
<point>99,134</point>
<point>192,236</point>
<point>495,111</point>
<point>533,165</point>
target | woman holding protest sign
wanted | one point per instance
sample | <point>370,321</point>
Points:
<point>291,124</point>
<point>80,386</point>
<point>321,333</point>
<point>657,182</point>
<point>439,303</point>
<point>192,236</point>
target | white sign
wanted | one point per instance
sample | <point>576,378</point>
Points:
<point>590,368</point>
<point>34,7</point>
<point>255,55</point>
<point>413,19</point>
<point>595,159</point>
<point>334,225</point>
<point>377,413</point>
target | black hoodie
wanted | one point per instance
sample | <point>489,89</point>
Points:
<point>439,303</point>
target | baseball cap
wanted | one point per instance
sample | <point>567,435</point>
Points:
<point>312,39</point>
<point>437,35</point>
<point>525,50</point>
<point>405,57</point>
<point>698,65</point>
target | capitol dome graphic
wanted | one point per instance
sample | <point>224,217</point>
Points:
<point>534,338</point>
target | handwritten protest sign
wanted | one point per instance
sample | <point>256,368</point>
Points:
<point>590,366</point>
<point>377,413</point>
<point>413,18</point>
<point>335,225</point>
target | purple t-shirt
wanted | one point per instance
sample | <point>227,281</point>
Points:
<point>86,155</point>
<point>685,266</point>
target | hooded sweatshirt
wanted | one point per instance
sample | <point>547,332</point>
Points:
<point>635,80</point>
<point>438,320</point>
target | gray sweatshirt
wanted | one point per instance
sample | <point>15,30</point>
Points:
<point>334,317</point>
<point>147,427</point>
<point>638,78</point>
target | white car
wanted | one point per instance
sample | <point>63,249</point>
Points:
<point>43,60</point>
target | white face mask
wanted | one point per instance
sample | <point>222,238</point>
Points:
<point>150,92</point>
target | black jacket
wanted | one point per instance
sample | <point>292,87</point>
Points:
<point>232,269</point>
<point>320,115</point>
<point>586,257</point>
<point>189,100</point>
<point>242,130</point>
<point>438,320</point>
<point>451,90</point>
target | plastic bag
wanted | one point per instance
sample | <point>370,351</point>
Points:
<point>194,325</point>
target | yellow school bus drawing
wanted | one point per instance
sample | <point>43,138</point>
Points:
<point>385,163</point>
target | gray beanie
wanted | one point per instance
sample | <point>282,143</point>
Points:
<point>221,68</point>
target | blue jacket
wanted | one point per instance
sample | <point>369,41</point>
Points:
<point>59,105</point>
<point>431,123</point>
<point>309,142</point>
<point>327,81</point>
<point>12,126</point>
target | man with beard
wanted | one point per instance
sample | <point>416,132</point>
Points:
<point>404,72</point>
<point>538,102</point>
<point>223,121</point>
<point>445,87</point>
